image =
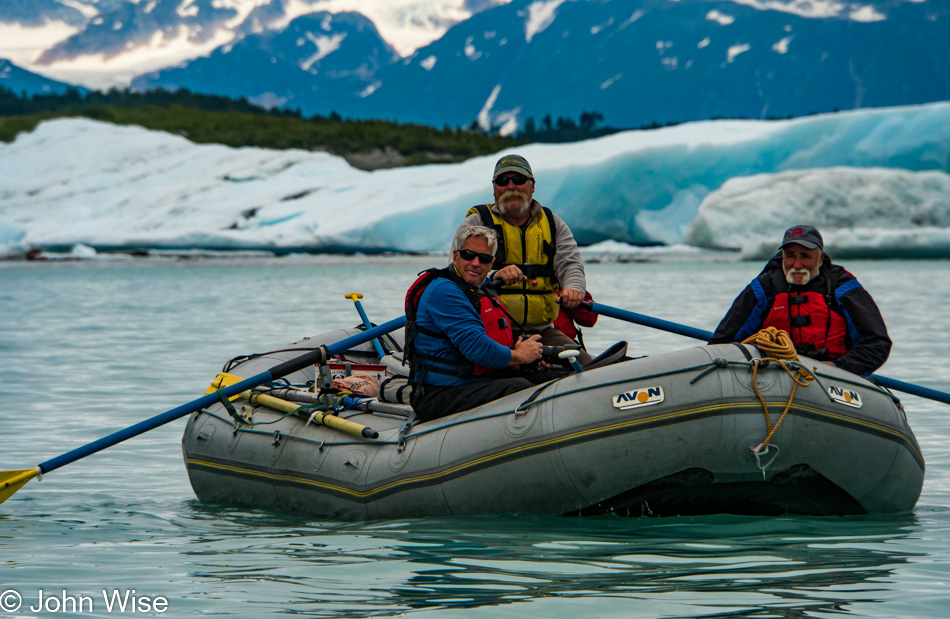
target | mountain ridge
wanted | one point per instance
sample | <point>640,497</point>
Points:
<point>634,63</point>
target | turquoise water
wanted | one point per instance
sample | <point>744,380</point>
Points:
<point>89,348</point>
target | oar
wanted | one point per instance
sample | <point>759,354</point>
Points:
<point>331,421</point>
<point>11,481</point>
<point>355,296</point>
<point>917,390</point>
<point>699,334</point>
<point>647,321</point>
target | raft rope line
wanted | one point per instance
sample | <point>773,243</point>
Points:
<point>775,345</point>
<point>240,359</point>
<point>717,363</point>
<point>705,368</point>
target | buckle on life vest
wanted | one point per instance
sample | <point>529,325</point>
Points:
<point>810,350</point>
<point>800,321</point>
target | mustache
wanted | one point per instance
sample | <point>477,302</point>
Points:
<point>521,196</point>
<point>514,193</point>
<point>789,275</point>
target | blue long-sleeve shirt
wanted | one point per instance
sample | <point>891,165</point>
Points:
<point>444,308</point>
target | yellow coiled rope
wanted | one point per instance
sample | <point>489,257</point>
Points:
<point>776,345</point>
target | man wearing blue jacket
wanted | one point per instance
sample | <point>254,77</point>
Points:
<point>826,311</point>
<point>459,341</point>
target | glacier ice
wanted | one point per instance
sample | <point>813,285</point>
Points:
<point>861,212</point>
<point>77,181</point>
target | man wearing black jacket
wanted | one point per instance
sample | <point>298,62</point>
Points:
<point>828,314</point>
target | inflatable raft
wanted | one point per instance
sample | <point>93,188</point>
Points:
<point>709,429</point>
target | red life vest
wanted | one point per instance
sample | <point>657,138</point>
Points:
<point>815,328</point>
<point>489,308</point>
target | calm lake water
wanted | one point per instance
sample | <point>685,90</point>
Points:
<point>89,348</point>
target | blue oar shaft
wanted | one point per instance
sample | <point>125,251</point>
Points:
<point>281,369</point>
<point>699,334</point>
<point>917,390</point>
<point>368,325</point>
<point>649,321</point>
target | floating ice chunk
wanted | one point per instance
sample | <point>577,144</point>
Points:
<point>11,239</point>
<point>861,212</point>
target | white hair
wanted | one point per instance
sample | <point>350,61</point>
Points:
<point>480,232</point>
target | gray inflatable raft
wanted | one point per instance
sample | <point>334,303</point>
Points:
<point>655,436</point>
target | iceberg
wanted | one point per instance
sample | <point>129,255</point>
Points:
<point>11,239</point>
<point>75,182</point>
<point>861,213</point>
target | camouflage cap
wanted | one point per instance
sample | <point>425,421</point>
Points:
<point>513,163</point>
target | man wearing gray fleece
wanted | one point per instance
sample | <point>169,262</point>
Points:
<point>539,268</point>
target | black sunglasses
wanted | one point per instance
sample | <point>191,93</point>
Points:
<point>520,179</point>
<point>469,255</point>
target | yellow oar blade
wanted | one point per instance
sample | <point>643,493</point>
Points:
<point>223,380</point>
<point>11,481</point>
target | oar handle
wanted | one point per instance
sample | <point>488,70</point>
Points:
<point>282,369</point>
<point>347,426</point>
<point>355,296</point>
<point>331,421</point>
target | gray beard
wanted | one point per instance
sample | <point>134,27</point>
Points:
<point>805,280</point>
<point>516,210</point>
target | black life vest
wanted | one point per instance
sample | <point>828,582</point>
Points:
<point>811,318</point>
<point>489,308</point>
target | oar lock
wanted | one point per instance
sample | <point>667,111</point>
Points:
<point>560,354</point>
<point>554,353</point>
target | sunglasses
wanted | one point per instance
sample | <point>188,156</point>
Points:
<point>468,255</point>
<point>520,179</point>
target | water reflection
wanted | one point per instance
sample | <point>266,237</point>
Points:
<point>90,349</point>
<point>690,567</point>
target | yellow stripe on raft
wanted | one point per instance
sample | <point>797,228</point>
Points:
<point>548,442</point>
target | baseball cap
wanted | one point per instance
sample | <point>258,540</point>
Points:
<point>806,236</point>
<point>513,163</point>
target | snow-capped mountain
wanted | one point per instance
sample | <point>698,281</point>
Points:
<point>20,81</point>
<point>634,62</point>
<point>104,43</point>
<point>315,54</point>
<point>505,61</point>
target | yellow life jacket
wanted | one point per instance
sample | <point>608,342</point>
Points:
<point>531,248</point>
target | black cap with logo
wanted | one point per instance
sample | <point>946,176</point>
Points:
<point>806,236</point>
